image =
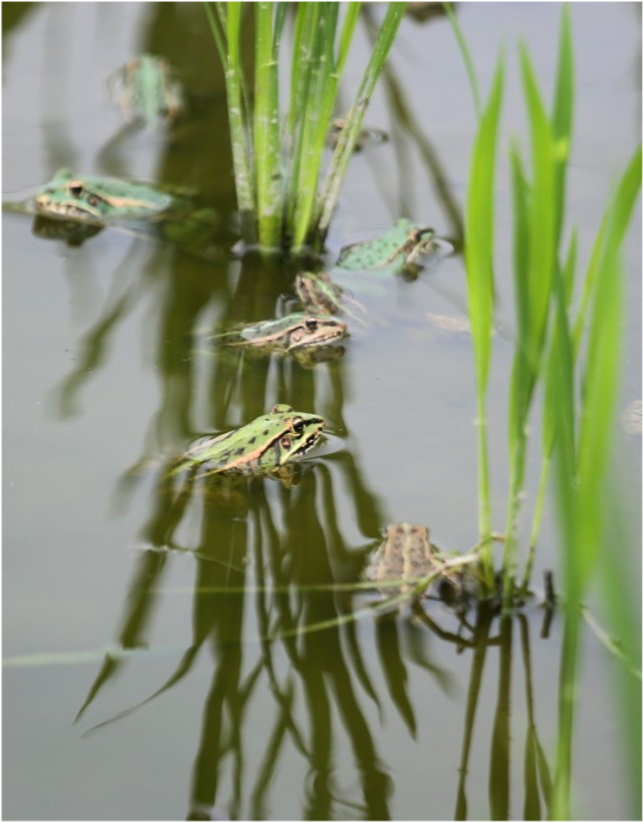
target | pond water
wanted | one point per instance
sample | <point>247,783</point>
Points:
<point>246,714</point>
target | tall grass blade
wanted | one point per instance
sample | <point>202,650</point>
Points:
<point>241,148</point>
<point>466,56</point>
<point>562,118</point>
<point>346,36</point>
<point>267,141</point>
<point>582,469</point>
<point>561,365</point>
<point>623,204</point>
<point>323,90</point>
<point>622,598</point>
<point>330,192</point>
<point>535,219</point>
<point>480,289</point>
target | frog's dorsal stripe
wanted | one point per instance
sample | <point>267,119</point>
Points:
<point>124,201</point>
<point>133,202</point>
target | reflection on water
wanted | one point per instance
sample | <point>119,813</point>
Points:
<point>320,697</point>
<point>272,583</point>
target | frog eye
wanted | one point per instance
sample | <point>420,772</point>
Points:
<point>298,425</point>
<point>75,190</point>
<point>311,324</point>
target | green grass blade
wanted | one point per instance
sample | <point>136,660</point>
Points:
<point>535,258</point>
<point>466,56</point>
<point>280,18</point>
<point>549,415</point>
<point>304,44</point>
<point>480,287</point>
<point>623,204</point>
<point>267,142</point>
<point>241,149</point>
<point>344,150</point>
<point>346,36</point>
<point>216,34</point>
<point>622,598</point>
<point>318,113</point>
<point>541,225</point>
<point>561,377</point>
<point>600,393</point>
<point>562,116</point>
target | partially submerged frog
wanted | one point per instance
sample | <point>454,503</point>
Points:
<point>396,251</point>
<point>265,445</point>
<point>144,90</point>
<point>318,293</point>
<point>74,207</point>
<point>365,137</point>
<point>406,556</point>
<point>99,200</point>
<point>294,334</point>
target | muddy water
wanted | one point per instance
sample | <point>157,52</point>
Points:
<point>251,711</point>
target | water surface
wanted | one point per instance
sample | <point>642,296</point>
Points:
<point>103,370</point>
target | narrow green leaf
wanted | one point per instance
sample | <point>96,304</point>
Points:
<point>267,148</point>
<point>327,199</point>
<point>466,56</point>
<point>480,289</point>
<point>562,117</point>
<point>622,204</point>
<point>346,36</point>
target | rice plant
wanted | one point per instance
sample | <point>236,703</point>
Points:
<point>569,346</point>
<point>544,275</point>
<point>278,158</point>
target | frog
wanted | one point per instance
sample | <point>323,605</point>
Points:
<point>293,334</point>
<point>407,555</point>
<point>397,251</point>
<point>75,207</point>
<point>319,293</point>
<point>267,445</point>
<point>99,200</point>
<point>145,91</point>
<point>365,137</point>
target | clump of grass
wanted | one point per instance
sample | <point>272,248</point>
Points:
<point>544,279</point>
<point>579,398</point>
<point>278,161</point>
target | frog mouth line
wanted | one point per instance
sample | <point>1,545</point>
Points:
<point>64,210</point>
<point>311,439</point>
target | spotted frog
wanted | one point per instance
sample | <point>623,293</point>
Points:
<point>396,251</point>
<point>266,445</point>
<point>320,294</point>
<point>406,556</point>
<point>298,335</point>
<point>144,90</point>
<point>74,207</point>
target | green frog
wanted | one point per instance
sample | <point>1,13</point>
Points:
<point>265,445</point>
<point>396,251</point>
<point>407,556</point>
<point>145,90</point>
<point>75,207</point>
<point>294,334</point>
<point>99,200</point>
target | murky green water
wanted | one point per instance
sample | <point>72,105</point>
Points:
<point>237,711</point>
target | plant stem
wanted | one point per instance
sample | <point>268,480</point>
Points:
<point>266,131</point>
<point>241,150</point>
